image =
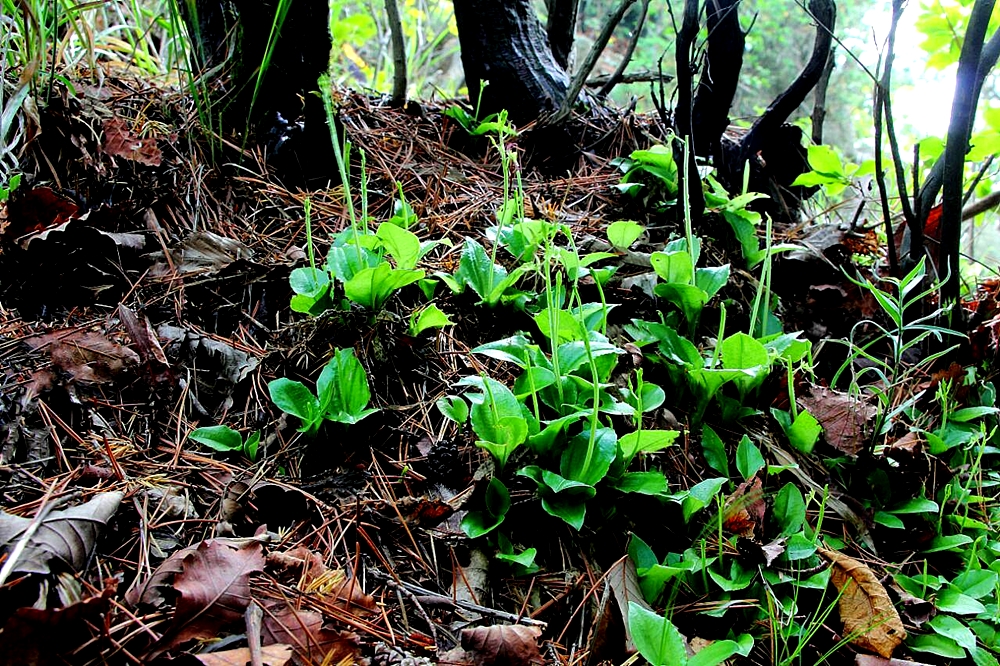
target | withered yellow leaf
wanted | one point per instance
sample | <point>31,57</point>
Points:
<point>865,608</point>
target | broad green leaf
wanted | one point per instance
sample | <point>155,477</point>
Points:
<point>714,450</point>
<point>513,349</point>
<point>344,262</point>
<point>953,600</point>
<point>568,327</point>
<point>454,407</point>
<point>646,441</point>
<point>888,520</point>
<point>976,583</point>
<point>916,505</point>
<point>478,523</point>
<point>673,267</point>
<point>825,160</point>
<point>218,438</point>
<point>711,280</point>
<point>935,644</point>
<point>789,509</point>
<point>656,637</point>
<point>804,431</point>
<point>294,398</point>
<point>623,234</point>
<point>371,287</point>
<point>690,299</point>
<point>700,495</point>
<point>642,483</point>
<point>402,245</point>
<point>949,542</point>
<point>589,463</point>
<point>343,388</point>
<point>429,317</point>
<point>310,282</point>
<point>748,458</point>
<point>971,413</point>
<point>949,627</point>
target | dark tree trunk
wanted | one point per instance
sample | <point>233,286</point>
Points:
<point>719,77</point>
<point>282,111</point>
<point>504,43</point>
<point>561,28</point>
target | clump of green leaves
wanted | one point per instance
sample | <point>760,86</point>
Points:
<point>225,439</point>
<point>342,394</point>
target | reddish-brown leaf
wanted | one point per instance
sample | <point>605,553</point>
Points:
<point>87,356</point>
<point>119,141</point>
<point>35,210</point>
<point>501,645</point>
<point>844,417</point>
<point>213,589</point>
<point>745,508</point>
<point>304,631</point>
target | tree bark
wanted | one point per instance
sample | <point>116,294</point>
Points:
<point>720,76</point>
<point>962,113</point>
<point>276,103</point>
<point>504,43</point>
<point>561,29</point>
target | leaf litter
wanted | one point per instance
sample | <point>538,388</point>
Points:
<point>339,550</point>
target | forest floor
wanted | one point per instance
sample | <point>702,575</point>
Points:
<point>145,293</point>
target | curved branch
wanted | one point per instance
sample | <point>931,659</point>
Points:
<point>719,76</point>
<point>962,115</point>
<point>932,185</point>
<point>619,73</point>
<point>825,14</point>
<point>688,181</point>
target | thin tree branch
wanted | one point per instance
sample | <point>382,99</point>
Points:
<point>720,76</point>
<point>619,73</point>
<point>825,14</point>
<point>398,53</point>
<point>819,106</point>
<point>576,85</point>
<point>932,185</point>
<point>688,181</point>
<point>644,76</point>
<point>962,114</point>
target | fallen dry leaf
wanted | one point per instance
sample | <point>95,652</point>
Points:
<point>202,252</point>
<point>844,417</point>
<point>66,536</point>
<point>745,508</point>
<point>272,655</point>
<point>35,210</point>
<point>45,636</point>
<point>213,589</point>
<point>87,356</point>
<point>865,608</point>
<point>314,577</point>
<point>119,141</point>
<point>500,645</point>
<point>304,631</point>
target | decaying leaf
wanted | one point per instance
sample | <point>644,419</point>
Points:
<point>498,645</point>
<point>272,655</point>
<point>87,356</point>
<point>213,587</point>
<point>314,577</point>
<point>119,141</point>
<point>37,210</point>
<point>610,638</point>
<point>64,536</point>
<point>312,643</point>
<point>200,253</point>
<point>844,417</point>
<point>865,608</point>
<point>45,636</point>
<point>745,508</point>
